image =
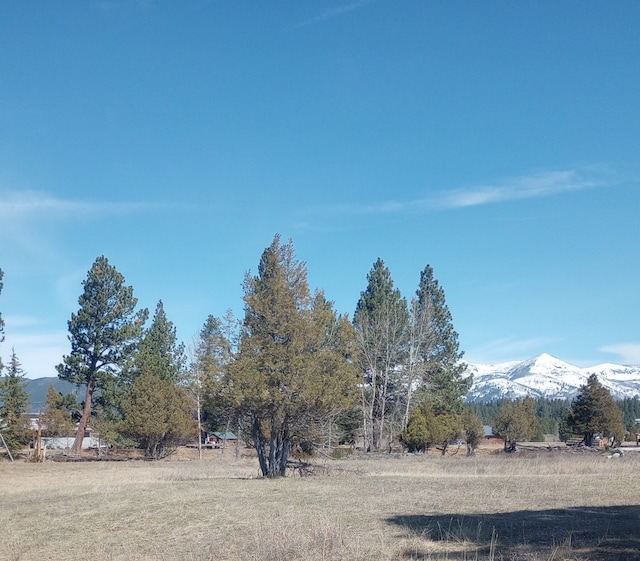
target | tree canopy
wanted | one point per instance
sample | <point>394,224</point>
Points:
<point>516,421</point>
<point>56,419</point>
<point>157,414</point>
<point>14,401</point>
<point>380,323</point>
<point>443,372</point>
<point>293,365</point>
<point>159,351</point>
<point>103,334</point>
<point>594,412</point>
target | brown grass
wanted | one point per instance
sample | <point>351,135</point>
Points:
<point>542,506</point>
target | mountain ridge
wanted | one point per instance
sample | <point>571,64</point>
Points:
<point>540,376</point>
<point>547,376</point>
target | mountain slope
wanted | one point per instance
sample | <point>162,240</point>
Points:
<point>547,376</point>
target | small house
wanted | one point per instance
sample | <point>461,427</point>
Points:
<point>221,439</point>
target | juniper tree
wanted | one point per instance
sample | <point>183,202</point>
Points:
<point>104,333</point>
<point>428,427</point>
<point>595,412</point>
<point>292,367</point>
<point>516,421</point>
<point>473,430</point>
<point>156,409</point>
<point>157,413</point>
<point>56,418</point>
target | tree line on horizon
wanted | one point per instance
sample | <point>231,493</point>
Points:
<point>292,372</point>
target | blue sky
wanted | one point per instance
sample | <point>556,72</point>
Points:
<point>496,141</point>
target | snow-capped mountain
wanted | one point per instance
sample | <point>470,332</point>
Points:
<point>547,376</point>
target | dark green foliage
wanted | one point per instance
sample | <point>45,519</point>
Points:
<point>156,411</point>
<point>549,413</point>
<point>293,367</point>
<point>594,412</point>
<point>427,427</point>
<point>159,351</point>
<point>14,402</point>
<point>417,436</point>
<point>443,374</point>
<point>380,322</point>
<point>516,422</point>
<point>104,334</point>
<point>630,407</point>
<point>157,414</point>
<point>215,349</point>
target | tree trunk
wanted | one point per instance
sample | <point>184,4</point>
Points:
<point>84,420</point>
<point>283,450</point>
<point>258,443</point>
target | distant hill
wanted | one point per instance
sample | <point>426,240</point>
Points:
<point>540,376</point>
<point>547,376</point>
<point>37,390</point>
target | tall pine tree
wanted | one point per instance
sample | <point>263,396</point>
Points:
<point>443,372</point>
<point>380,322</point>
<point>104,334</point>
<point>594,412</point>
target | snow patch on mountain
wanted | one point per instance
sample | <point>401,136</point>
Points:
<point>550,377</point>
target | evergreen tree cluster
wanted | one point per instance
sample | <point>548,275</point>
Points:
<point>549,413</point>
<point>593,413</point>
<point>292,374</point>
<point>412,377</point>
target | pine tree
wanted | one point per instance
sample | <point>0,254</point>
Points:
<point>159,351</point>
<point>14,401</point>
<point>104,335</point>
<point>381,327</point>
<point>443,372</point>
<point>595,412</point>
<point>215,349</point>
<point>292,368</point>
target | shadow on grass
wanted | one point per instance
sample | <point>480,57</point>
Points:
<point>582,534</point>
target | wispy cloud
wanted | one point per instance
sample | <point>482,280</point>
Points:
<point>338,11</point>
<point>628,353</point>
<point>15,204</point>
<point>542,184</point>
<point>535,185</point>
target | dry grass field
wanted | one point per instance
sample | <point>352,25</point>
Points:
<point>530,506</point>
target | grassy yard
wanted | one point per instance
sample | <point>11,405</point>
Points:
<point>543,506</point>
